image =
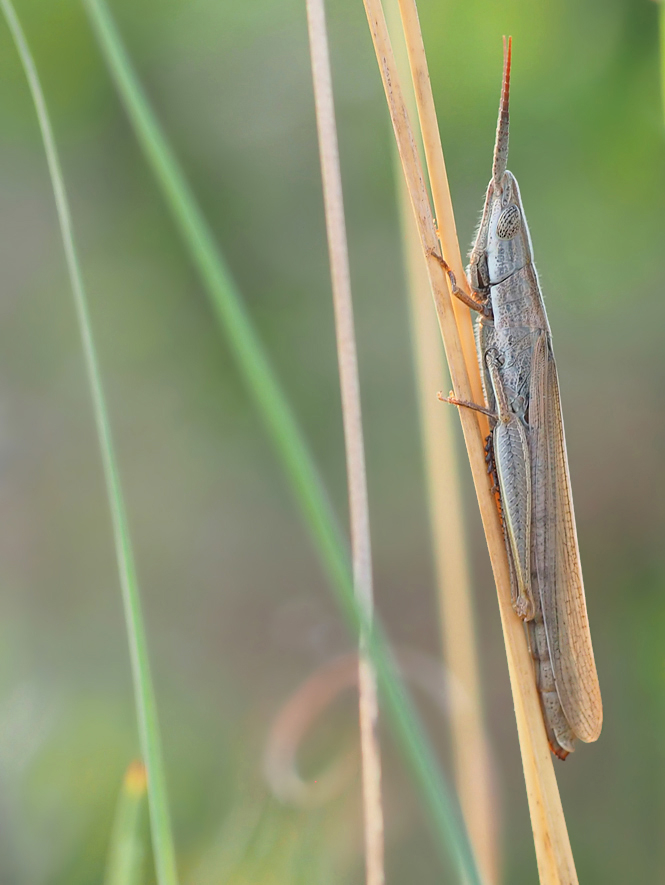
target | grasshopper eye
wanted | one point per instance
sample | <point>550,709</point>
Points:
<point>509,223</point>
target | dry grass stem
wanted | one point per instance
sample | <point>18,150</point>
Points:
<point>353,432</point>
<point>553,853</point>
<point>473,774</point>
<point>436,168</point>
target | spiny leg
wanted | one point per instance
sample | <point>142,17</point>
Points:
<point>489,448</point>
<point>466,404</point>
<point>513,465</point>
<point>473,303</point>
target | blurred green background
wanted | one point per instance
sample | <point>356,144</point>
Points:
<point>238,611</point>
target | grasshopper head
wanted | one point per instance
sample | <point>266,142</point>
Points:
<point>508,243</point>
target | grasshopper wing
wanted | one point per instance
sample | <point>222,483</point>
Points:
<point>556,554</point>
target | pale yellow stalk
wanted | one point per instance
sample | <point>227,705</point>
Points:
<point>473,774</point>
<point>553,852</point>
<point>353,431</point>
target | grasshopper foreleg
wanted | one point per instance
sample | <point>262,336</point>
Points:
<point>466,404</point>
<point>482,307</point>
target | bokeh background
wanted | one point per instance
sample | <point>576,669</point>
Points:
<point>238,611</point>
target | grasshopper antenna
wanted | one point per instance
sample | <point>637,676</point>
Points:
<point>502,126</point>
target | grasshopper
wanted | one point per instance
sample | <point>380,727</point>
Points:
<point>527,454</point>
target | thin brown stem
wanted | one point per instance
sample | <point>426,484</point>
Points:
<point>474,777</point>
<point>553,853</point>
<point>353,431</point>
<point>473,774</point>
<point>436,168</point>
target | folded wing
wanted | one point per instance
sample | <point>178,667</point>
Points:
<point>557,569</point>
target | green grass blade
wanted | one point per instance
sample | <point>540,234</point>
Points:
<point>272,405</point>
<point>124,865</point>
<point>226,301</point>
<point>143,689</point>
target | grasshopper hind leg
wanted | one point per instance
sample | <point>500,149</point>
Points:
<point>496,491</point>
